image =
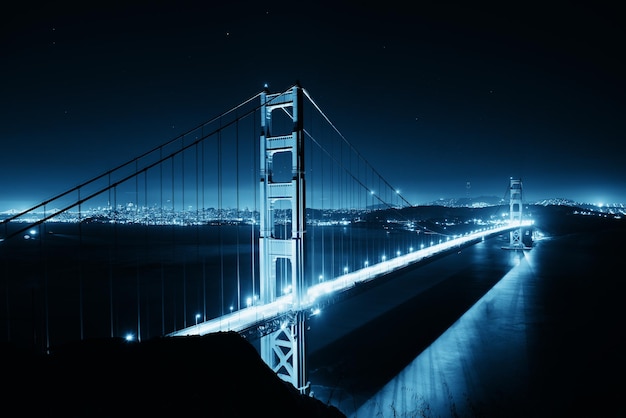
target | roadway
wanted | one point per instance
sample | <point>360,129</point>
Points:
<point>259,315</point>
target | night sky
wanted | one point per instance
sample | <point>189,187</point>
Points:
<point>435,95</point>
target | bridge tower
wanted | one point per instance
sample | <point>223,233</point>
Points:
<point>515,211</point>
<point>284,349</point>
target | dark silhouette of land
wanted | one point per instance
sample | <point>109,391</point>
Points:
<point>218,375</point>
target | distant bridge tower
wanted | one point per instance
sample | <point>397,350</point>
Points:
<point>284,349</point>
<point>515,211</point>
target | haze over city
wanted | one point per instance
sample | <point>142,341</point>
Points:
<point>444,100</point>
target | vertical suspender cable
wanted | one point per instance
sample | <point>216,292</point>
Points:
<point>237,229</point>
<point>332,237</point>
<point>255,170</point>
<point>145,240</point>
<point>204,225</point>
<point>161,223</point>
<point>322,200</point>
<point>220,216</point>
<point>137,256</point>
<point>340,200</point>
<point>173,230</point>
<point>111,258</point>
<point>310,198</point>
<point>182,214</point>
<point>115,247</point>
<point>353,206</point>
<point>197,225</point>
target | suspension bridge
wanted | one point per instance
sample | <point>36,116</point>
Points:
<point>250,222</point>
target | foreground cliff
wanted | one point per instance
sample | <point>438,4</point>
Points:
<point>215,375</point>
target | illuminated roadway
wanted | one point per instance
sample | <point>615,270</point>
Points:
<point>259,314</point>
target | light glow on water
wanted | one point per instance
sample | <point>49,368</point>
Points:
<point>471,363</point>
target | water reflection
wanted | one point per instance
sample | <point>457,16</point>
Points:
<point>479,363</point>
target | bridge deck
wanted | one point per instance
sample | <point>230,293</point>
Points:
<point>258,315</point>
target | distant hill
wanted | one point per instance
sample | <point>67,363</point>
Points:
<point>480,201</point>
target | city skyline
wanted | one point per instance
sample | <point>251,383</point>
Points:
<point>444,101</point>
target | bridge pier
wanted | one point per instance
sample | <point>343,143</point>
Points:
<point>284,349</point>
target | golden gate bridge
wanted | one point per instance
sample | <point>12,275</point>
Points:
<point>251,222</point>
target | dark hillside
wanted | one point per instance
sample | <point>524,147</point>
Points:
<point>218,375</point>
<point>563,220</point>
